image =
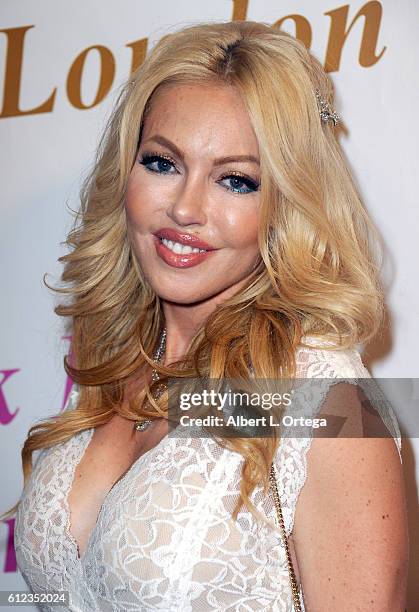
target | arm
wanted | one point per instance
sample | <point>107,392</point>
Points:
<point>350,528</point>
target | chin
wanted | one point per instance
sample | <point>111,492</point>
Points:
<point>182,297</point>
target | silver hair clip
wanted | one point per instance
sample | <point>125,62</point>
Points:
<point>326,111</point>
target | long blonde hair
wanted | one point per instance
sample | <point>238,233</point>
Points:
<point>317,276</point>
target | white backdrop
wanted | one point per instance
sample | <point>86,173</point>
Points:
<point>43,156</point>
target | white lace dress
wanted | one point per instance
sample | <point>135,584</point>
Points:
<point>164,538</point>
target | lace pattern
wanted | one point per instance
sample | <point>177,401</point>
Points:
<point>164,538</point>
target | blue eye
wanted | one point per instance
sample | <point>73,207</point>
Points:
<point>159,159</point>
<point>165,162</point>
<point>243,180</point>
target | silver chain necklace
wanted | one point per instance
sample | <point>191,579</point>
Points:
<point>142,425</point>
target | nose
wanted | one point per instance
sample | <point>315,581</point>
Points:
<point>188,207</point>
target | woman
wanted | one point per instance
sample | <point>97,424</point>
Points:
<point>220,235</point>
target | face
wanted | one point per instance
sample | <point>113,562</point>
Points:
<point>193,216</point>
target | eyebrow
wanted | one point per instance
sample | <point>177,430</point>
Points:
<point>217,162</point>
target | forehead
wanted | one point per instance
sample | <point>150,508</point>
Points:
<point>207,115</point>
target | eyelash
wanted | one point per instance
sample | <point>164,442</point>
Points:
<point>148,158</point>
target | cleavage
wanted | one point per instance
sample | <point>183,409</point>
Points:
<point>112,450</point>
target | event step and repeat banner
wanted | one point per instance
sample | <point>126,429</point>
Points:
<point>61,68</point>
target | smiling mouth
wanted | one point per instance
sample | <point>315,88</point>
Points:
<point>177,255</point>
<point>175,239</point>
<point>180,249</point>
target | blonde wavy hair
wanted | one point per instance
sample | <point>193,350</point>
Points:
<point>318,273</point>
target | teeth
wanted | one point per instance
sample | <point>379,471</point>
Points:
<point>180,249</point>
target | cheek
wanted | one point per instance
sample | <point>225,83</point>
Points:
<point>131,204</point>
<point>138,201</point>
<point>241,225</point>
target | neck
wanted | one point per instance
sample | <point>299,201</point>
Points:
<point>181,326</point>
<point>182,321</point>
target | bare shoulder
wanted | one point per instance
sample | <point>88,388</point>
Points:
<point>350,527</point>
<point>350,524</point>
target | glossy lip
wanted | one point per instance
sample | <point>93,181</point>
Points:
<point>180,260</point>
<point>183,238</point>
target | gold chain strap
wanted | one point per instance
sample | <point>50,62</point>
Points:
<point>294,588</point>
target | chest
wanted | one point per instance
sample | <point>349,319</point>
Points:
<point>110,453</point>
<point>164,529</point>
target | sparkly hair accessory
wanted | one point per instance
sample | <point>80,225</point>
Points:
<point>326,111</point>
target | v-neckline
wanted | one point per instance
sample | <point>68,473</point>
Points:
<point>85,444</point>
